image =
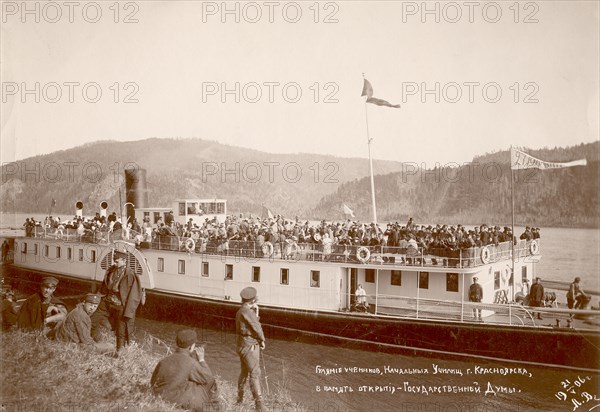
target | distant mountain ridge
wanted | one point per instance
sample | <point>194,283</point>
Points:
<point>480,192</point>
<point>290,184</point>
<point>310,186</point>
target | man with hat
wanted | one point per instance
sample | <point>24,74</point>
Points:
<point>42,309</point>
<point>10,310</point>
<point>250,340</point>
<point>536,295</point>
<point>476,295</point>
<point>77,326</point>
<point>184,378</point>
<point>123,291</point>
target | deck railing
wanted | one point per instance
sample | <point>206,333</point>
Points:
<point>348,254</point>
<point>492,313</point>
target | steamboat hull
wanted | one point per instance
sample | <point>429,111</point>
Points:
<point>520,345</point>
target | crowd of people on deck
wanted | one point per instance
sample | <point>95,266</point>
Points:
<point>237,231</point>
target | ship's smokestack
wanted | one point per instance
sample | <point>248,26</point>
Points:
<point>103,207</point>
<point>79,209</point>
<point>136,191</point>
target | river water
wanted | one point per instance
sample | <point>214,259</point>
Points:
<point>326,378</point>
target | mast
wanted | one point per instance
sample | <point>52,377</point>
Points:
<point>369,141</point>
<point>512,240</point>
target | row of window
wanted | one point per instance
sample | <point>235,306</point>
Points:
<point>58,254</point>
<point>284,273</point>
<point>396,279</point>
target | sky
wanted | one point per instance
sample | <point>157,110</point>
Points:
<point>286,77</point>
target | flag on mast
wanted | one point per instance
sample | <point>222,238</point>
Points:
<point>520,160</point>
<point>348,211</point>
<point>266,213</point>
<point>368,91</point>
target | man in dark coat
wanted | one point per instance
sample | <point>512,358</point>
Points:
<point>123,291</point>
<point>42,309</point>
<point>250,341</point>
<point>184,378</point>
<point>10,310</point>
<point>476,295</point>
<point>536,295</point>
<point>76,328</point>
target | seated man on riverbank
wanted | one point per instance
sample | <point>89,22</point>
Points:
<point>42,310</point>
<point>184,378</point>
<point>77,326</point>
<point>9,309</point>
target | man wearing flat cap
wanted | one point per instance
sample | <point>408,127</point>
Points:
<point>42,309</point>
<point>77,326</point>
<point>123,291</point>
<point>536,296</point>
<point>250,340</point>
<point>184,378</point>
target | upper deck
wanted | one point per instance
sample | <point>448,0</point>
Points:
<point>384,256</point>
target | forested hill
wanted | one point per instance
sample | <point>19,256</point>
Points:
<point>289,184</point>
<point>480,192</point>
<point>308,185</point>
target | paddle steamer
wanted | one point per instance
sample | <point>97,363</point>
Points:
<point>418,301</point>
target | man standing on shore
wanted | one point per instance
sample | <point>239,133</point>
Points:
<point>250,341</point>
<point>42,309</point>
<point>124,293</point>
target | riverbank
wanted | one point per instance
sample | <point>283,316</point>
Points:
<point>39,374</point>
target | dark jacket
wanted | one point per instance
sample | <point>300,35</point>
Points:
<point>181,379</point>
<point>536,293</point>
<point>248,327</point>
<point>33,312</point>
<point>130,290</point>
<point>76,327</point>
<point>475,292</point>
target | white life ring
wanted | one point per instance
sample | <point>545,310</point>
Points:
<point>190,245</point>
<point>534,247</point>
<point>267,249</point>
<point>317,237</point>
<point>485,254</point>
<point>363,254</point>
<point>59,234</point>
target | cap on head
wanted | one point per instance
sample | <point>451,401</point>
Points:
<point>186,337</point>
<point>49,281</point>
<point>248,294</point>
<point>475,278</point>
<point>577,279</point>
<point>92,298</point>
<point>119,255</point>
